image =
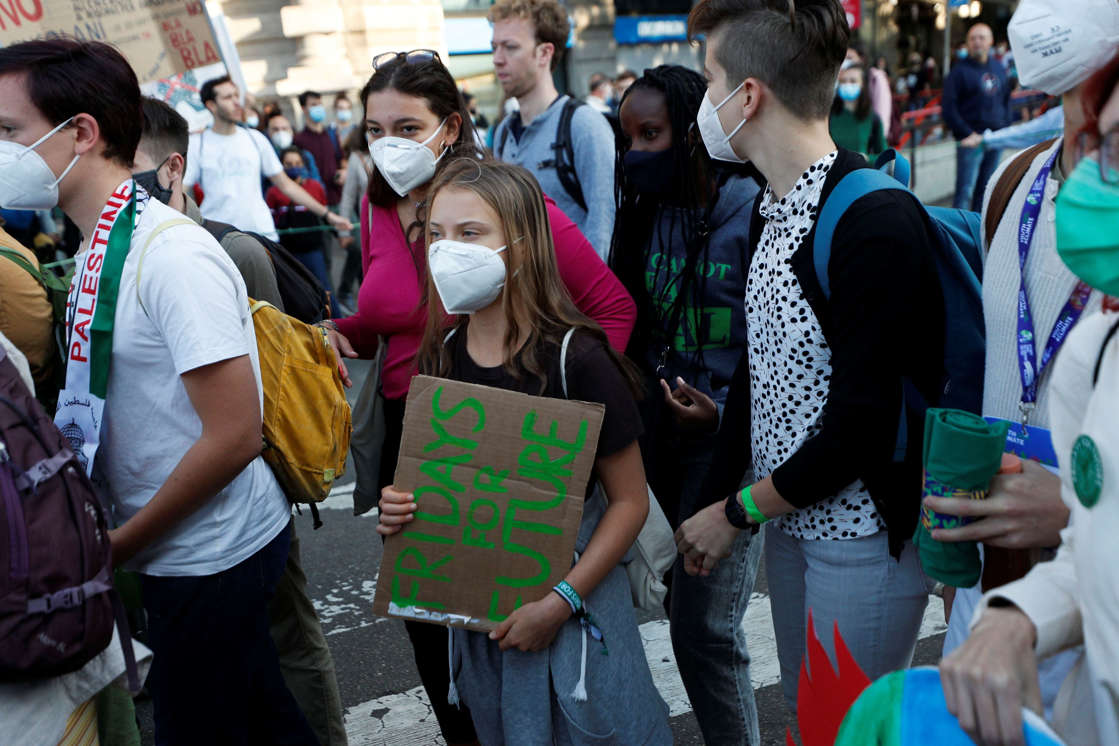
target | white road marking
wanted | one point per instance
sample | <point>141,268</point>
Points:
<point>342,498</point>
<point>407,718</point>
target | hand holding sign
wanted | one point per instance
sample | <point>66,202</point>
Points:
<point>485,508</point>
<point>397,510</point>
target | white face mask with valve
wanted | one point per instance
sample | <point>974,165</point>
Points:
<point>467,276</point>
<point>26,181</point>
<point>711,129</point>
<point>405,164</point>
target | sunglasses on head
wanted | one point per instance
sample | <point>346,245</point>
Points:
<point>415,57</point>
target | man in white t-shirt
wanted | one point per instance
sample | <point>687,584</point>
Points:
<point>163,396</point>
<point>228,162</point>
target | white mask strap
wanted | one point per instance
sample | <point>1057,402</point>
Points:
<point>47,136</point>
<point>734,131</point>
<point>730,95</point>
<point>433,134</point>
<point>65,171</point>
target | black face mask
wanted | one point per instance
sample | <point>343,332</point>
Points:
<point>150,181</point>
<point>651,172</point>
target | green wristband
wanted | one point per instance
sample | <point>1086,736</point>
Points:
<point>570,595</point>
<point>751,509</point>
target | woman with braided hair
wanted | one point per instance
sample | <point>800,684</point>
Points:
<point>680,248</point>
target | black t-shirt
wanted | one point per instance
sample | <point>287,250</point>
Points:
<point>592,376</point>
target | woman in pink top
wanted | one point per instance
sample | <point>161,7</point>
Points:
<point>413,105</point>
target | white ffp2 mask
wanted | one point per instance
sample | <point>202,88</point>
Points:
<point>1058,45</point>
<point>467,276</point>
<point>405,164</point>
<point>26,181</point>
<point>711,129</point>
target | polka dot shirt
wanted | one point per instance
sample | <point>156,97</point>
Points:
<point>790,363</point>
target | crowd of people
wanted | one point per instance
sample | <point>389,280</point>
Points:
<point>655,249</point>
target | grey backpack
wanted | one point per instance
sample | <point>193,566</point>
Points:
<point>57,603</point>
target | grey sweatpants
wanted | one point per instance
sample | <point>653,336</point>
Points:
<point>877,601</point>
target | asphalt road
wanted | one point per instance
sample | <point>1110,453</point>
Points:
<point>373,658</point>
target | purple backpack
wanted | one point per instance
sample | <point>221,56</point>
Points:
<point>57,603</point>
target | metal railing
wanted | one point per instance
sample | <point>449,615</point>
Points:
<point>925,125</point>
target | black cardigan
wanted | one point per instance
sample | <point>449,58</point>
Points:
<point>883,323</point>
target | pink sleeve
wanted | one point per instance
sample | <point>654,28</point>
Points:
<point>389,297</point>
<point>593,287</point>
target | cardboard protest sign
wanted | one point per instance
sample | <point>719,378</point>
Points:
<point>500,479</point>
<point>159,37</point>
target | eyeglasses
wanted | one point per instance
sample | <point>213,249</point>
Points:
<point>415,57</point>
<point>1108,153</point>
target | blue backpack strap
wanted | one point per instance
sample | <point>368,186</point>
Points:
<point>894,164</point>
<point>849,190</point>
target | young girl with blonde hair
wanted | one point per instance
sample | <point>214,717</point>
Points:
<point>505,320</point>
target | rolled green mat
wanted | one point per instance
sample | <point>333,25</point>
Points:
<point>962,451</point>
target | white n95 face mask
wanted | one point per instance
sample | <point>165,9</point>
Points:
<point>405,164</point>
<point>467,276</point>
<point>26,181</point>
<point>1057,45</point>
<point>711,129</point>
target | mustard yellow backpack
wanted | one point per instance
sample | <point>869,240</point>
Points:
<point>306,416</point>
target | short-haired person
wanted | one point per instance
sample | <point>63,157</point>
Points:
<point>228,161</point>
<point>976,98</point>
<point>343,123</point>
<point>1073,599</point>
<point>304,656</point>
<point>200,515</point>
<point>322,143</point>
<point>540,677</point>
<point>821,379</point>
<point>412,97</point>
<point>600,93</point>
<point>282,135</point>
<point>680,243</point>
<point>529,37</point>
<point>159,165</point>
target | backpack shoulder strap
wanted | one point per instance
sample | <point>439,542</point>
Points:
<point>849,190</point>
<point>500,145</point>
<point>1007,184</point>
<point>19,259</point>
<point>147,245</point>
<point>565,153</point>
<point>563,358</point>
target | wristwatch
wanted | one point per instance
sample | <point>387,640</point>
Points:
<point>735,513</point>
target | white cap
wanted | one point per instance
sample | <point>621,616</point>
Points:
<point>1058,44</point>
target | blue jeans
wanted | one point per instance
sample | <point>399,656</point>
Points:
<point>974,167</point>
<point>215,676</point>
<point>705,614</point>
<point>877,601</point>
